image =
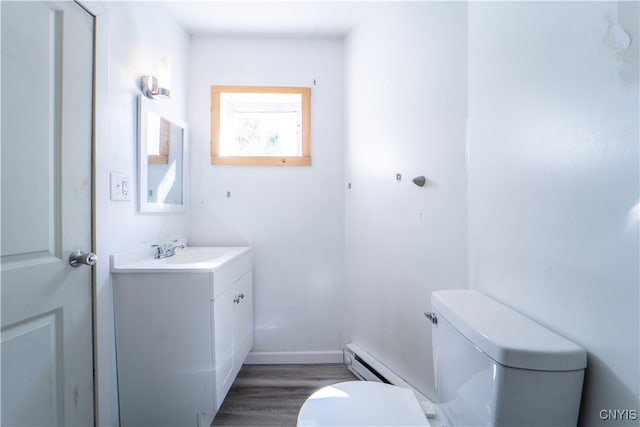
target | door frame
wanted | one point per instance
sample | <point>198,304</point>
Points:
<point>105,388</point>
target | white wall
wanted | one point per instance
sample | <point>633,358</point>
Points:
<point>136,45</point>
<point>553,178</point>
<point>405,113</point>
<point>292,217</point>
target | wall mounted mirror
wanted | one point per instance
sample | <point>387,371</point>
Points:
<point>162,148</point>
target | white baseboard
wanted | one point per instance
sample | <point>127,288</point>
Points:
<point>293,357</point>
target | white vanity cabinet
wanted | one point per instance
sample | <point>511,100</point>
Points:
<point>183,330</point>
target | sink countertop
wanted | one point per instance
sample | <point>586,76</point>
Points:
<point>189,259</point>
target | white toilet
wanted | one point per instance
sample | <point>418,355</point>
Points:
<point>493,367</point>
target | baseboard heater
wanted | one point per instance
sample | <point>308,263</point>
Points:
<point>367,368</point>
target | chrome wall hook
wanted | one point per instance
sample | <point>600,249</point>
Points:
<point>420,181</point>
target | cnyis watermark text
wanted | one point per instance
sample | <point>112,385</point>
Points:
<point>618,414</point>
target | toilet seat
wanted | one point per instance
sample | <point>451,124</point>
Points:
<point>362,403</point>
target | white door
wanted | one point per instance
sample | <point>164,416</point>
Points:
<point>46,100</point>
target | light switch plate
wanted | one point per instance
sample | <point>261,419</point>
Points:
<point>119,187</point>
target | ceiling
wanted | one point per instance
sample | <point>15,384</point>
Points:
<point>264,18</point>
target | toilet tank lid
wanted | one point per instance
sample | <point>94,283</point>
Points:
<point>508,337</point>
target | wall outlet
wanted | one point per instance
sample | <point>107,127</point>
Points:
<point>119,187</point>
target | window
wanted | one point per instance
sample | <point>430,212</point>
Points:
<point>260,125</point>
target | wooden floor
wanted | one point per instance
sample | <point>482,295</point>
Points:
<point>271,395</point>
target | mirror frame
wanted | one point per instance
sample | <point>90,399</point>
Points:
<point>146,106</point>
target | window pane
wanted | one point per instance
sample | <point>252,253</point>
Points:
<point>265,134</point>
<point>260,124</point>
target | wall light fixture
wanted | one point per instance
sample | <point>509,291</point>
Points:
<point>151,88</point>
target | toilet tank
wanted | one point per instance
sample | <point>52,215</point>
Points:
<point>496,367</point>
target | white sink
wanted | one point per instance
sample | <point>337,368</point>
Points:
<point>189,258</point>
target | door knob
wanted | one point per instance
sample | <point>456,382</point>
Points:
<point>78,258</point>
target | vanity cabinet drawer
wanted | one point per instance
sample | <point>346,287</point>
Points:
<point>225,277</point>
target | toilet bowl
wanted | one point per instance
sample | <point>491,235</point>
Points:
<point>493,366</point>
<point>362,403</point>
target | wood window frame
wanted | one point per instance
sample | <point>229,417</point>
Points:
<point>303,160</point>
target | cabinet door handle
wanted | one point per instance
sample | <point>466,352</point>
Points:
<point>238,298</point>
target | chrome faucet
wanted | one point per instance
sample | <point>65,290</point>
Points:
<point>167,249</point>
